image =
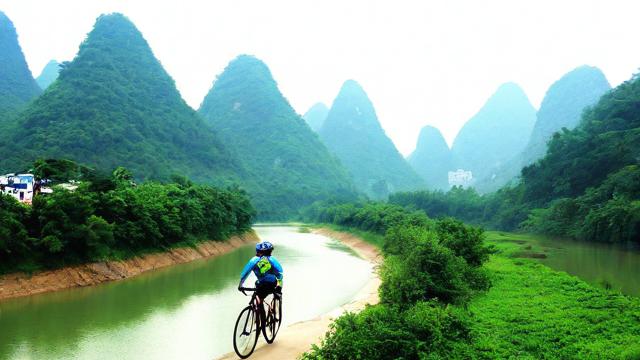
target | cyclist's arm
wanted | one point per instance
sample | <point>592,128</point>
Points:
<point>247,269</point>
<point>278,268</point>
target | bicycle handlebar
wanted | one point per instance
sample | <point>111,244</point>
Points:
<point>243,289</point>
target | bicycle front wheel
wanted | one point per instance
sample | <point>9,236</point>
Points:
<point>245,335</point>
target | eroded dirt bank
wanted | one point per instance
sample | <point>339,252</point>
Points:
<point>20,284</point>
<point>297,338</point>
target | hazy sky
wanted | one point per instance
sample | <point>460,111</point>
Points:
<point>421,62</point>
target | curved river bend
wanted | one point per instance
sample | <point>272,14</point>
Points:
<point>183,312</point>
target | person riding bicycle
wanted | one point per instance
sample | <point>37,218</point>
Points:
<point>266,268</point>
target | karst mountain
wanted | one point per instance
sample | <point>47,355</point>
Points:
<point>352,132</point>
<point>289,164</point>
<point>114,105</point>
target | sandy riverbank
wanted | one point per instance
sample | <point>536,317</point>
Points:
<point>20,284</point>
<point>297,338</point>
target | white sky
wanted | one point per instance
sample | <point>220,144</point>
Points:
<point>421,62</point>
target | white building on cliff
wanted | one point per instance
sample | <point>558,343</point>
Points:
<point>460,178</point>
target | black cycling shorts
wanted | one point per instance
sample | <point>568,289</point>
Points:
<point>263,289</point>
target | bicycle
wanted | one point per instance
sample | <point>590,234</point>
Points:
<point>253,319</point>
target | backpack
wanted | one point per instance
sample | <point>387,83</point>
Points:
<point>264,265</point>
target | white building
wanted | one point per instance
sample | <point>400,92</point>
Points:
<point>460,178</point>
<point>20,186</point>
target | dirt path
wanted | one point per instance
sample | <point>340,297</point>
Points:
<point>297,338</point>
<point>20,284</point>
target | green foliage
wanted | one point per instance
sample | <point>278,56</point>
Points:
<point>425,331</point>
<point>533,312</point>
<point>368,216</point>
<point>352,132</point>
<point>465,241</point>
<point>610,212</point>
<point>114,105</point>
<point>289,167</point>
<point>17,86</point>
<point>14,238</point>
<point>427,263</point>
<point>586,187</point>
<point>115,219</point>
<point>420,266</point>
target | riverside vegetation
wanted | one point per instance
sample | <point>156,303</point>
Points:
<point>111,217</point>
<point>586,187</point>
<point>444,296</point>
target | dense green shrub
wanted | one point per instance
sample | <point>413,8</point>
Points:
<point>609,212</point>
<point>421,267</point>
<point>14,238</point>
<point>465,241</point>
<point>427,330</point>
<point>427,264</point>
<point>113,217</point>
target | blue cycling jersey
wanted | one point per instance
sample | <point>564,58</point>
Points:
<point>266,269</point>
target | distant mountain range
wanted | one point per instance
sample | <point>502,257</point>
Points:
<point>316,116</point>
<point>114,105</point>
<point>49,74</point>
<point>432,159</point>
<point>561,107</point>
<point>498,132</point>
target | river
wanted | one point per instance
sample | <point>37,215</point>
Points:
<point>613,266</point>
<point>608,265</point>
<point>183,312</point>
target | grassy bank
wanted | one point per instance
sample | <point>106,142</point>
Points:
<point>534,312</point>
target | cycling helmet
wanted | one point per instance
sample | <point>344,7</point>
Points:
<point>264,246</point>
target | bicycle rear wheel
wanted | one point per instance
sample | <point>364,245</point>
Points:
<point>246,332</point>
<point>273,319</point>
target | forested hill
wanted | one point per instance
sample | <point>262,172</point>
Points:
<point>353,133</point>
<point>289,165</point>
<point>586,187</point>
<point>49,74</point>
<point>316,115</point>
<point>561,107</point>
<point>606,141</point>
<point>432,158</point>
<point>114,105</point>
<point>497,133</point>
<point>17,86</point>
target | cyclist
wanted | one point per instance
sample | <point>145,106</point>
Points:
<point>266,268</point>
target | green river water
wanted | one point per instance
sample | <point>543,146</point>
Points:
<point>607,265</point>
<point>182,312</point>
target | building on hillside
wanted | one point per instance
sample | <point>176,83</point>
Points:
<point>460,178</point>
<point>20,186</point>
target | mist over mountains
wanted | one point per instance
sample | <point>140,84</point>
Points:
<point>562,107</point>
<point>499,131</point>
<point>114,105</point>
<point>432,158</point>
<point>352,132</point>
<point>49,74</point>
<point>316,115</point>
